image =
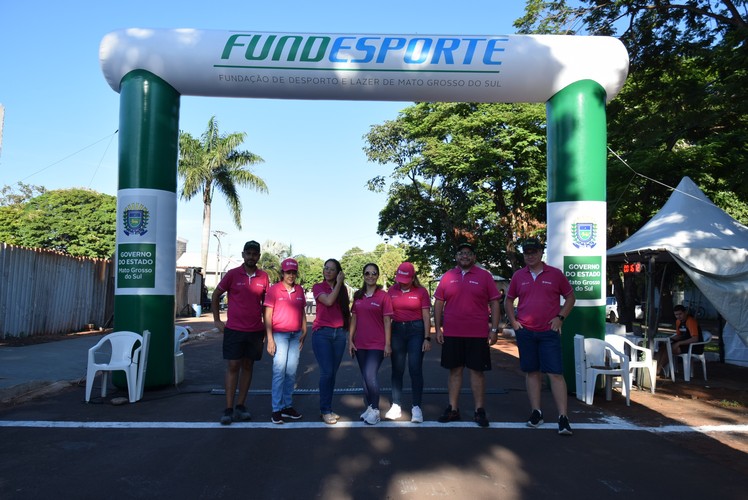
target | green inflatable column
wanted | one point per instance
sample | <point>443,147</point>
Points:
<point>577,219</point>
<point>145,254</point>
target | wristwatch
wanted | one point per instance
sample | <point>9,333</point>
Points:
<point>494,330</point>
<point>561,317</point>
<point>427,338</point>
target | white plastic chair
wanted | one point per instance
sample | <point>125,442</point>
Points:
<point>599,360</point>
<point>688,357</point>
<point>639,357</point>
<point>181,334</point>
<point>123,356</point>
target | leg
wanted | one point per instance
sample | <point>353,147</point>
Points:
<point>245,379</point>
<point>280,361</point>
<point>399,353</point>
<point>558,388</point>
<point>292,364</point>
<point>323,351</point>
<point>231,380</point>
<point>414,342</point>
<point>533,382</point>
<point>478,385</point>
<point>454,384</point>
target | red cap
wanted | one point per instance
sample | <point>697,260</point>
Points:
<point>289,265</point>
<point>405,273</point>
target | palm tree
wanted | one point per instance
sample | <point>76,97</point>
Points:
<point>212,163</point>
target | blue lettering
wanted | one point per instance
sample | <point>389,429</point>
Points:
<point>425,48</point>
<point>472,42</point>
<point>337,46</point>
<point>369,49</point>
<point>445,46</point>
<point>389,44</point>
<point>490,49</point>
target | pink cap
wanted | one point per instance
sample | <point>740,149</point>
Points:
<point>405,273</point>
<point>289,265</point>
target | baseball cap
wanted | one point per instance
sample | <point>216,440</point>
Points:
<point>289,265</point>
<point>405,273</point>
<point>465,245</point>
<point>251,245</point>
<point>532,244</point>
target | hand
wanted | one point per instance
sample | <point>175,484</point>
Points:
<point>219,324</point>
<point>301,341</point>
<point>556,323</point>
<point>340,278</point>
<point>493,338</point>
<point>426,347</point>
<point>387,350</point>
<point>351,349</point>
<point>271,346</point>
<point>440,336</point>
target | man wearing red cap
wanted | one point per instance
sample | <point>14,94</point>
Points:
<point>464,296</point>
<point>244,331</point>
<point>285,325</point>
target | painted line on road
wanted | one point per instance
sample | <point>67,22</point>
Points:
<point>607,426</point>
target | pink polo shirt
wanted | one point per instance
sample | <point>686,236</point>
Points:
<point>245,296</point>
<point>466,299</point>
<point>409,306</point>
<point>539,298</point>
<point>289,307</point>
<point>370,313</point>
<point>330,316</point>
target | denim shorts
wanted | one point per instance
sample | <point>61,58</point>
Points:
<point>539,351</point>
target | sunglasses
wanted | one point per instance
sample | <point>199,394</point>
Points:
<point>371,273</point>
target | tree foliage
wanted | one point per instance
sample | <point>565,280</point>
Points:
<point>462,172</point>
<point>214,163</point>
<point>78,222</point>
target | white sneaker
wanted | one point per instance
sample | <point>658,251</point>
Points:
<point>394,412</point>
<point>373,417</point>
<point>417,415</point>
<point>366,412</point>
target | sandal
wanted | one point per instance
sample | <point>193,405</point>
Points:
<point>329,418</point>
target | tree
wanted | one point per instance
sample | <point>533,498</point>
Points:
<point>270,263</point>
<point>462,172</point>
<point>214,163</point>
<point>78,222</point>
<point>353,262</point>
<point>310,271</point>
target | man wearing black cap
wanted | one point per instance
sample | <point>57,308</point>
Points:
<point>462,301</point>
<point>244,331</point>
<point>537,327</point>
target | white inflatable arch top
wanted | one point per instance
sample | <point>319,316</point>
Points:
<point>448,68</point>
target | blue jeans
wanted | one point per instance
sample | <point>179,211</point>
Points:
<point>285,362</point>
<point>329,346</point>
<point>407,341</point>
<point>369,361</point>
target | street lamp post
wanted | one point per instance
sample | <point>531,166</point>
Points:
<point>218,235</point>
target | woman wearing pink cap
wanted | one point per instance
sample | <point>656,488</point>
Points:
<point>411,338</point>
<point>285,325</point>
<point>371,318</point>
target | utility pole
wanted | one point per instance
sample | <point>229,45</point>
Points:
<point>218,235</point>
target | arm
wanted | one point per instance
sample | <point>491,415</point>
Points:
<point>268,316</point>
<point>352,336</point>
<point>557,322</point>
<point>387,336</point>
<point>329,299</point>
<point>438,311</point>
<point>493,335</point>
<point>509,311</point>
<point>426,330</point>
<point>215,308</point>
<point>303,331</point>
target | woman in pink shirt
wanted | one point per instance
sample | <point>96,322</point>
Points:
<point>411,338</point>
<point>371,318</point>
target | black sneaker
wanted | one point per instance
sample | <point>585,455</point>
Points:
<point>289,412</point>
<point>227,417</point>
<point>449,415</point>
<point>563,426</point>
<point>480,417</point>
<point>241,414</point>
<point>536,419</point>
<point>276,417</point>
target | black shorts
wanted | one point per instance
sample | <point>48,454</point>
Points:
<point>240,345</point>
<point>471,352</point>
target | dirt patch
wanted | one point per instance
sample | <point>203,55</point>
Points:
<point>43,339</point>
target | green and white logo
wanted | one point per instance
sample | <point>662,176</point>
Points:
<point>135,219</point>
<point>584,234</point>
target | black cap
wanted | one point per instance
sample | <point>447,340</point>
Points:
<point>251,245</point>
<point>532,243</point>
<point>465,245</point>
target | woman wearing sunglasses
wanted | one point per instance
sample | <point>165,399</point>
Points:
<point>371,319</point>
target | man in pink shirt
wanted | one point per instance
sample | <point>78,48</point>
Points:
<point>244,331</point>
<point>464,296</point>
<point>537,326</point>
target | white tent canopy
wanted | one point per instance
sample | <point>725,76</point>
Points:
<point>709,245</point>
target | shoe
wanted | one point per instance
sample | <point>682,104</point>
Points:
<point>329,419</point>
<point>335,415</point>
<point>373,417</point>
<point>480,417</point>
<point>416,415</point>
<point>276,417</point>
<point>563,426</point>
<point>449,415</point>
<point>241,414</point>
<point>394,412</point>
<point>366,412</point>
<point>227,417</point>
<point>289,412</point>
<point>536,419</point>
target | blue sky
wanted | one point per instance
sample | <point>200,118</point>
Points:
<point>61,116</point>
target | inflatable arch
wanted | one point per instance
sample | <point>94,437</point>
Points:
<point>151,69</point>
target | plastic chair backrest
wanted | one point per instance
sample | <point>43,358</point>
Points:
<point>122,344</point>
<point>706,335</point>
<point>180,335</point>
<point>594,350</point>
